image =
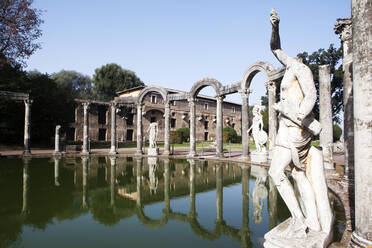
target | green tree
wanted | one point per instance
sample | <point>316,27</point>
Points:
<point>111,78</point>
<point>52,105</point>
<point>331,56</point>
<point>19,30</point>
<point>79,85</point>
<point>229,134</point>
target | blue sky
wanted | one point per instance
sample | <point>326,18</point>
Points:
<point>174,43</point>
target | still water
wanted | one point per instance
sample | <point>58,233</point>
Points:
<point>128,202</point>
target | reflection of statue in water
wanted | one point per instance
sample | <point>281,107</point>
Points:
<point>259,194</point>
<point>292,147</point>
<point>153,133</point>
<point>153,179</point>
<point>259,135</point>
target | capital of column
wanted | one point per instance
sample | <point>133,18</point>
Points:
<point>86,105</point>
<point>245,92</point>
<point>114,104</point>
<point>220,98</point>
<point>28,101</point>
<point>271,86</point>
<point>167,105</point>
<point>343,28</point>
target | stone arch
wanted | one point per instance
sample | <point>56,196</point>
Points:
<point>204,82</point>
<point>260,66</point>
<point>163,92</point>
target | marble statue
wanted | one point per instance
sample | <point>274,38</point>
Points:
<point>153,133</point>
<point>311,219</point>
<point>259,135</point>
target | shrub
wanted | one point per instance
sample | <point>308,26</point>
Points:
<point>229,134</point>
<point>184,133</point>
<point>175,137</point>
<point>337,132</point>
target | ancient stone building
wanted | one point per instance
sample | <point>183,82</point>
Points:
<point>153,111</point>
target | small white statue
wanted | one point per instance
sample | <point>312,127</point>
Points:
<point>153,133</point>
<point>259,135</point>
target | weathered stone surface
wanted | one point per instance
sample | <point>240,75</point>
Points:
<point>57,147</point>
<point>274,239</point>
<point>153,151</point>
<point>86,149</point>
<point>292,148</point>
<point>362,87</point>
<point>27,130</point>
<point>325,116</point>
<point>113,149</point>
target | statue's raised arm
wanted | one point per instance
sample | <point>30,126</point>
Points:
<point>275,39</point>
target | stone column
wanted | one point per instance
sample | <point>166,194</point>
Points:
<point>113,149</point>
<point>192,152</point>
<point>56,171</point>
<point>26,186</point>
<point>27,130</point>
<point>219,127</point>
<point>245,233</point>
<point>362,87</point>
<point>84,161</point>
<point>112,180</point>
<point>166,186</point>
<point>219,191</point>
<point>57,147</point>
<point>167,129</point>
<point>192,212</point>
<point>139,130</point>
<point>86,148</point>
<point>139,181</point>
<point>273,120</point>
<point>344,29</point>
<point>245,123</point>
<point>325,116</point>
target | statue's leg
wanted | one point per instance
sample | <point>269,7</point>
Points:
<point>308,197</point>
<point>281,159</point>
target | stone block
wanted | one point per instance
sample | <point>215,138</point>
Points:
<point>153,151</point>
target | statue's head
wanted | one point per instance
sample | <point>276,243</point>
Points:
<point>256,109</point>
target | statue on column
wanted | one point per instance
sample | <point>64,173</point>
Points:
<point>259,136</point>
<point>153,133</point>
<point>310,224</point>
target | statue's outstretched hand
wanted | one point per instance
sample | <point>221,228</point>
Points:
<point>274,18</point>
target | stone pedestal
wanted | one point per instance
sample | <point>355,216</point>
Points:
<point>259,157</point>
<point>274,239</point>
<point>153,151</point>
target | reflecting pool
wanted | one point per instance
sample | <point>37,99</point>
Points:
<point>145,202</point>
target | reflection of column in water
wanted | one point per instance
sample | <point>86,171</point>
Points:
<point>112,180</point>
<point>272,204</point>
<point>219,189</point>
<point>245,206</point>
<point>139,180</point>
<point>26,186</point>
<point>166,186</point>
<point>56,170</point>
<point>192,188</point>
<point>84,161</point>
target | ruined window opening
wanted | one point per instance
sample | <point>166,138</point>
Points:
<point>153,99</point>
<point>206,106</point>
<point>102,134</point>
<point>152,119</point>
<point>102,115</point>
<point>206,124</point>
<point>173,123</point>
<point>129,119</point>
